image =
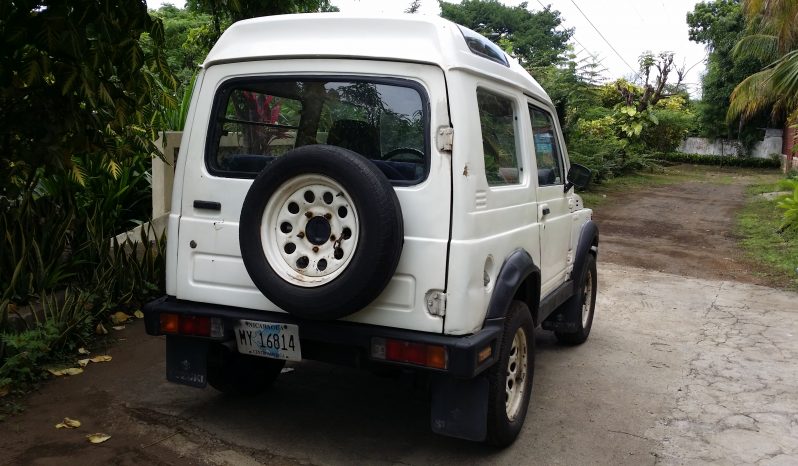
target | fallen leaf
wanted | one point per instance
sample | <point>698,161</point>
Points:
<point>100,330</point>
<point>83,351</point>
<point>103,358</point>
<point>67,371</point>
<point>68,423</point>
<point>118,327</point>
<point>139,314</point>
<point>98,437</point>
<point>119,317</point>
<point>83,362</point>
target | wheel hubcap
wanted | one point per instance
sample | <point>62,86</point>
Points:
<point>515,383</point>
<point>310,230</point>
<point>318,230</point>
<point>587,296</point>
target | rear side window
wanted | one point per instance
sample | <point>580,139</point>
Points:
<point>547,152</point>
<point>255,121</point>
<point>497,122</point>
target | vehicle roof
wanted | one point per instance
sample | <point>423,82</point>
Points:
<point>408,37</point>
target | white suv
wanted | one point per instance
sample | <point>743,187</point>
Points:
<point>379,192</point>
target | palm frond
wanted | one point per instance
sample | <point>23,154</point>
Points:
<point>753,95</point>
<point>763,47</point>
<point>785,75</point>
<point>77,172</point>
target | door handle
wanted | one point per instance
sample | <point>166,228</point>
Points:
<point>207,205</point>
<point>545,210</point>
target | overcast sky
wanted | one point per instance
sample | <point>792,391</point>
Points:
<point>631,27</point>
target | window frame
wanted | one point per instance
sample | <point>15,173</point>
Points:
<point>519,158</point>
<point>558,140</point>
<point>222,92</point>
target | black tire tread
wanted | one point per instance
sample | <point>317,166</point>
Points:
<point>502,432</point>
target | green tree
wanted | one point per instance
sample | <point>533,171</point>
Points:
<point>771,36</point>
<point>413,7</point>
<point>74,80</point>
<point>229,11</point>
<point>188,37</point>
<point>531,37</point>
<point>719,25</point>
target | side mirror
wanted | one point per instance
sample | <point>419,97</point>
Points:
<point>578,176</point>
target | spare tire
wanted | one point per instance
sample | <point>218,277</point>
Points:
<point>321,232</point>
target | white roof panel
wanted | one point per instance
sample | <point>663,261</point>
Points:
<point>413,38</point>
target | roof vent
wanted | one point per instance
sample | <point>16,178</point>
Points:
<point>480,45</point>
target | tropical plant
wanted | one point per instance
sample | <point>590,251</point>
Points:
<point>789,204</point>
<point>79,85</point>
<point>772,37</point>
<point>719,25</point>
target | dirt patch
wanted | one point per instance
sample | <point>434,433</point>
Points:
<point>686,228</point>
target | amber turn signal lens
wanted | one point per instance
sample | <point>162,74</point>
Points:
<point>436,357</point>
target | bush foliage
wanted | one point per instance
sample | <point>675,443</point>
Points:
<point>720,161</point>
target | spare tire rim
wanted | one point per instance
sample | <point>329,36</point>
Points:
<point>310,230</point>
<point>515,383</point>
<point>587,298</point>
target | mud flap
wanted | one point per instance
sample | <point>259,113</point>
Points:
<point>564,319</point>
<point>460,407</point>
<point>187,361</point>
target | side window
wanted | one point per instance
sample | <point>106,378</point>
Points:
<point>547,153</point>
<point>497,121</point>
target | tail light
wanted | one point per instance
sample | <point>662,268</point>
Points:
<point>420,354</point>
<point>189,325</point>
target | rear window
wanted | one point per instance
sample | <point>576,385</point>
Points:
<point>255,121</point>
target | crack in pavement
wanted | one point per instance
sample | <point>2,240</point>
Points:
<point>737,402</point>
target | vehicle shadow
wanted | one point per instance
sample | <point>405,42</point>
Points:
<point>327,414</point>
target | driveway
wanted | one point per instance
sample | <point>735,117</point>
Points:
<point>677,370</point>
<point>690,361</point>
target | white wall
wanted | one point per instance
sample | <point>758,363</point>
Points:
<point>771,144</point>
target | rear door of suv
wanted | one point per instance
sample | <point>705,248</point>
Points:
<point>403,103</point>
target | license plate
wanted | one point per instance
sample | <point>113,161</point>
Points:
<point>268,339</point>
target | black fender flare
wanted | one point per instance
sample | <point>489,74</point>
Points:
<point>518,266</point>
<point>588,237</point>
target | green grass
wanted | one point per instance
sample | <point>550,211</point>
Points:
<point>762,239</point>
<point>598,194</point>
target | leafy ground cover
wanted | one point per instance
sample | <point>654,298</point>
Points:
<point>764,235</point>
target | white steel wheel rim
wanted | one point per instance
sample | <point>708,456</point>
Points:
<point>587,297</point>
<point>515,383</point>
<point>293,229</point>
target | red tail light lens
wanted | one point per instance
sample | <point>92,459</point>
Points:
<point>169,323</point>
<point>408,352</point>
<point>183,324</point>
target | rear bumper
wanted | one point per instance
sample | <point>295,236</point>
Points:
<point>462,351</point>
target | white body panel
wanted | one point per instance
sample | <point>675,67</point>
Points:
<point>454,210</point>
<point>213,272</point>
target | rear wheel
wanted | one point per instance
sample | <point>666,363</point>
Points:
<point>510,380</point>
<point>237,374</point>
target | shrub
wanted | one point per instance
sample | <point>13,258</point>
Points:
<point>594,144</point>
<point>789,204</point>
<point>721,161</point>
<point>669,132</point>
